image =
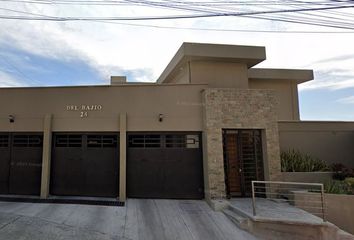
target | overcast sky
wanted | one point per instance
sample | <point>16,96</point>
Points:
<point>44,53</point>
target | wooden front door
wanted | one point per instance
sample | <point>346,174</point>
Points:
<point>243,160</point>
<point>233,167</point>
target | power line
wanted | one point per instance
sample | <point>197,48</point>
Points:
<point>199,3</point>
<point>175,16</point>
<point>228,30</point>
<point>211,11</point>
<point>201,29</point>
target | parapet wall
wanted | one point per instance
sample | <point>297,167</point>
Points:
<point>332,142</point>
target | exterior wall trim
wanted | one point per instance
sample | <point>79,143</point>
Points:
<point>123,156</point>
<point>46,157</point>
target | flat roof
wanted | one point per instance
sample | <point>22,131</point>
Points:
<point>298,75</point>
<point>129,84</point>
<point>250,55</point>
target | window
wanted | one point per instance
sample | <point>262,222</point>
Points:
<point>27,140</point>
<point>144,141</point>
<point>163,140</point>
<point>68,140</point>
<point>182,141</point>
<point>102,141</point>
<point>4,140</point>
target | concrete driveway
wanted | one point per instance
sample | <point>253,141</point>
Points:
<point>139,219</point>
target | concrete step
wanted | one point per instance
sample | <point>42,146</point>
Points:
<point>239,220</point>
<point>239,211</point>
<point>342,235</point>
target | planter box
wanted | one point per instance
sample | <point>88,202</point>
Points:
<point>307,177</point>
<point>339,208</point>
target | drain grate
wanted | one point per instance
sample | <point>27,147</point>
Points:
<point>63,200</point>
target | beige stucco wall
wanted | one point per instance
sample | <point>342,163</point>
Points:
<point>216,53</point>
<point>286,92</point>
<point>307,177</point>
<point>219,74</point>
<point>180,105</point>
<point>181,75</point>
<point>339,214</point>
<point>214,73</point>
<point>237,109</point>
<point>328,141</point>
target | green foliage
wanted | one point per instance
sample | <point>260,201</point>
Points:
<point>340,187</point>
<point>350,181</point>
<point>341,171</point>
<point>295,161</point>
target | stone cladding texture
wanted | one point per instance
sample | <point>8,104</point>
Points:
<point>237,109</point>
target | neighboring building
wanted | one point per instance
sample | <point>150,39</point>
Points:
<point>205,129</point>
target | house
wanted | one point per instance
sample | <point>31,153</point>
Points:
<point>205,129</point>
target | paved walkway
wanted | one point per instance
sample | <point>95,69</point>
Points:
<point>276,211</point>
<point>140,219</point>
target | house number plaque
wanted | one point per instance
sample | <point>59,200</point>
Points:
<point>84,109</point>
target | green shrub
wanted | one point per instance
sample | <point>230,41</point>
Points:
<point>295,161</point>
<point>341,171</point>
<point>350,182</point>
<point>339,187</point>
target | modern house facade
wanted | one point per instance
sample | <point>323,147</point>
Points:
<point>207,128</point>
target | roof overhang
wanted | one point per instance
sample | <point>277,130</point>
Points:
<point>249,55</point>
<point>297,75</point>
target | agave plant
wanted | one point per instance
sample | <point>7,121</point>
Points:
<point>338,187</point>
<point>295,161</point>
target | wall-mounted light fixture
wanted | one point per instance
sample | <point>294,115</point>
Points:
<point>160,117</point>
<point>11,118</point>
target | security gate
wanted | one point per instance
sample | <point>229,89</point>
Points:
<point>85,164</point>
<point>165,165</point>
<point>243,161</point>
<point>20,163</point>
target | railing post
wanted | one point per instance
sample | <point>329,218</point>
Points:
<point>253,200</point>
<point>323,203</point>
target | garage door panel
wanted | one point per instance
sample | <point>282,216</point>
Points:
<point>102,172</point>
<point>26,170</point>
<point>85,164</point>
<point>67,159</point>
<point>5,155</point>
<point>144,172</point>
<point>163,165</point>
<point>26,164</point>
<point>183,173</point>
<point>67,178</point>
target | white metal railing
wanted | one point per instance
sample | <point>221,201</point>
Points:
<point>307,196</point>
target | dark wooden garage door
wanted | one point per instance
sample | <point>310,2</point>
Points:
<point>167,165</point>
<point>20,163</point>
<point>85,164</point>
<point>5,159</point>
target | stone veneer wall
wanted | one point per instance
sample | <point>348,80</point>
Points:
<point>237,109</point>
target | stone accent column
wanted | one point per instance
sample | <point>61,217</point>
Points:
<point>237,109</point>
<point>122,156</point>
<point>46,157</point>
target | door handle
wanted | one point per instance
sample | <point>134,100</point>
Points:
<point>240,170</point>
